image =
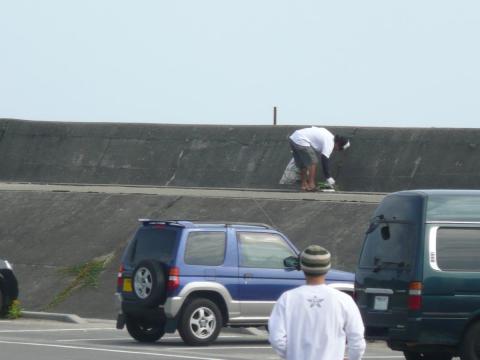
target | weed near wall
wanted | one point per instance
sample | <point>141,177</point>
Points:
<point>84,275</point>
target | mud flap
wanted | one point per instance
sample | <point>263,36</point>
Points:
<point>121,321</point>
<point>171,325</point>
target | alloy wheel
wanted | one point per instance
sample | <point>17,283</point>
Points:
<point>203,322</point>
<point>143,283</point>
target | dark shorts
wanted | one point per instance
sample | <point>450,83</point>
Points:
<point>304,156</point>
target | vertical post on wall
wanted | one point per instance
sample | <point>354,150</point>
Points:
<point>274,115</point>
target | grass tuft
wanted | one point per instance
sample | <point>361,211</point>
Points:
<point>14,310</point>
<point>84,275</point>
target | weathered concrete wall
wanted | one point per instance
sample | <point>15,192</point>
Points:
<point>380,159</point>
<point>45,232</point>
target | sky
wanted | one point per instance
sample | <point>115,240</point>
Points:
<point>409,63</point>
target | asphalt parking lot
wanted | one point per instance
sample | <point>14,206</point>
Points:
<point>52,340</point>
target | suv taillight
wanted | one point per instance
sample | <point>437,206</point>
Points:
<point>173,278</point>
<point>415,295</point>
<point>120,278</point>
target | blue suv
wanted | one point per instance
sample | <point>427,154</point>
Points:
<point>199,277</point>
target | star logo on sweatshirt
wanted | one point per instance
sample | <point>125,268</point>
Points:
<point>315,302</point>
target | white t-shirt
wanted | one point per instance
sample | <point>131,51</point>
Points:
<point>320,139</point>
<point>313,322</point>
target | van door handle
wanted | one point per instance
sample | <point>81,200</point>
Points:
<point>248,275</point>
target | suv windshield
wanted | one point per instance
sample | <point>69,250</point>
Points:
<point>390,248</point>
<point>154,243</point>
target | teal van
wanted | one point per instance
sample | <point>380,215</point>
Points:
<point>417,282</point>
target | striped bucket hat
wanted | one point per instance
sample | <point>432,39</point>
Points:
<point>315,260</point>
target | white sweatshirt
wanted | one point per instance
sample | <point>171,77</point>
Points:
<point>313,322</point>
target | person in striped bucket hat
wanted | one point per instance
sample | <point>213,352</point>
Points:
<point>315,261</point>
<point>315,321</point>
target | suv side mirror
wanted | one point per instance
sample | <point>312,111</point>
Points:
<point>292,262</point>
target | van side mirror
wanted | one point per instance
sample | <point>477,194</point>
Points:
<point>292,262</point>
<point>385,230</point>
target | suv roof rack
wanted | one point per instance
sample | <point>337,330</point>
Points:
<point>185,223</point>
<point>146,222</point>
<point>266,226</point>
<point>235,223</point>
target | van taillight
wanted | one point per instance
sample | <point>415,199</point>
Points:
<point>120,278</point>
<point>173,278</point>
<point>415,295</point>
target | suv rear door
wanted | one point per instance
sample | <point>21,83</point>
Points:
<point>151,242</point>
<point>208,255</point>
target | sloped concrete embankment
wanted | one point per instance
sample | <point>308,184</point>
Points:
<point>380,159</point>
<point>43,233</point>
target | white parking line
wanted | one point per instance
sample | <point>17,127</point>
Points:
<point>129,338</point>
<point>108,350</point>
<point>170,354</point>
<point>269,347</point>
<point>52,330</point>
<point>97,339</point>
<point>382,357</point>
<point>227,347</point>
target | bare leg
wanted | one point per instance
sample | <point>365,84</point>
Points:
<point>312,171</point>
<point>303,178</point>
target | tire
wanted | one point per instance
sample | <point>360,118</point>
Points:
<point>470,348</point>
<point>200,322</point>
<point>149,283</point>
<point>144,332</point>
<point>413,355</point>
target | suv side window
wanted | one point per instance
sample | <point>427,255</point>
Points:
<point>458,249</point>
<point>205,248</point>
<point>262,250</point>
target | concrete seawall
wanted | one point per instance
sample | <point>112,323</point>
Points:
<point>46,230</point>
<point>380,159</point>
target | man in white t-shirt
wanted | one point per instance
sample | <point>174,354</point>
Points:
<point>315,321</point>
<point>310,144</point>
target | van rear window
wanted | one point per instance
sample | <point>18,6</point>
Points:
<point>394,250</point>
<point>154,243</point>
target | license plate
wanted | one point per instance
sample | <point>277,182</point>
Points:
<point>127,285</point>
<point>381,303</point>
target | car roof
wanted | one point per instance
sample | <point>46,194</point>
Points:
<point>447,204</point>
<point>439,192</point>
<point>205,224</point>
